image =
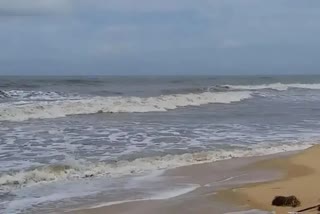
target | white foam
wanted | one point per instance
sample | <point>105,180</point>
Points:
<point>35,95</point>
<point>19,205</point>
<point>55,109</point>
<point>225,180</point>
<point>81,169</point>
<point>275,86</point>
<point>161,196</point>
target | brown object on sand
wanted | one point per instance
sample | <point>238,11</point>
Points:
<point>282,201</point>
<point>301,179</point>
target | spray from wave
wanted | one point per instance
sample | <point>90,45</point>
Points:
<point>40,110</point>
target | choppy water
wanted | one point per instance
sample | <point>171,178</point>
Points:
<point>57,133</point>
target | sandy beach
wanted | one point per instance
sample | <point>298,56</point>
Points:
<point>210,178</point>
<point>295,174</point>
<point>302,174</point>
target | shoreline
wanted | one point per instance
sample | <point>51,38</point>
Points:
<point>301,174</point>
<point>211,178</point>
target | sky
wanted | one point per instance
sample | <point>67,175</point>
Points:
<point>137,37</point>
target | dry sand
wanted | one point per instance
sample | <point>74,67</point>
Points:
<point>302,180</point>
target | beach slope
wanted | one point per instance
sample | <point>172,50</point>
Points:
<point>302,180</point>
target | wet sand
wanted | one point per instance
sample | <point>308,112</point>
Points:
<point>302,177</point>
<point>210,178</point>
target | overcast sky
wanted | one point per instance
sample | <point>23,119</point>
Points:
<point>159,36</point>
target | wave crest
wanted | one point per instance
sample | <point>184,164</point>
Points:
<point>276,86</point>
<point>40,110</point>
<point>33,95</point>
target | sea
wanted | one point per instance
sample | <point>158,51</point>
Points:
<point>66,140</point>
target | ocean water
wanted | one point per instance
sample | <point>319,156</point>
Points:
<point>68,139</point>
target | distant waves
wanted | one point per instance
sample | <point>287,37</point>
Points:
<point>24,105</point>
<point>12,111</point>
<point>276,86</point>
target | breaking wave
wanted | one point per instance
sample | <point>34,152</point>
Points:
<point>62,108</point>
<point>26,105</point>
<point>216,88</point>
<point>76,169</point>
<point>34,95</point>
<point>228,88</point>
<point>275,86</point>
<point>3,94</point>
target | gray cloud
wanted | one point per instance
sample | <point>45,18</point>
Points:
<point>142,5</point>
<point>39,7</point>
<point>150,35</point>
<point>33,7</point>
